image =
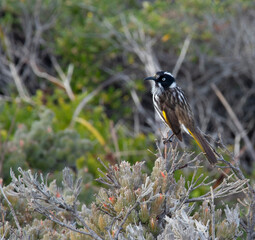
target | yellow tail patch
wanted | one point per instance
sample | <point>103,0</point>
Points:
<point>196,140</point>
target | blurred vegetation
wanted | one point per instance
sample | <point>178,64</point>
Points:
<point>40,148</point>
<point>42,41</point>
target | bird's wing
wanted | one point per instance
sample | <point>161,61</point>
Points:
<point>171,119</point>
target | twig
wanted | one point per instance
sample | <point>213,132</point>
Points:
<point>45,75</point>
<point>192,186</point>
<point>124,220</point>
<point>107,213</point>
<point>238,173</point>
<point>136,42</point>
<point>109,228</point>
<point>5,231</point>
<point>213,213</point>
<point>181,58</point>
<point>141,109</point>
<point>18,82</point>
<point>108,178</point>
<point>236,121</point>
<point>2,214</point>
<point>92,233</point>
<point>115,141</point>
<point>251,219</point>
<point>12,211</point>
<point>66,79</point>
<point>223,190</point>
<point>53,218</point>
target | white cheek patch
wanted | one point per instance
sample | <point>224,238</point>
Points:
<point>168,73</point>
<point>161,87</point>
<point>173,85</point>
<point>157,90</point>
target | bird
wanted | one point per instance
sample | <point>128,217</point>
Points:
<point>174,110</point>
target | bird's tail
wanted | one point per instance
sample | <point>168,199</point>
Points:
<point>204,145</point>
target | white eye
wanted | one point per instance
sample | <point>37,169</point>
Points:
<point>163,79</point>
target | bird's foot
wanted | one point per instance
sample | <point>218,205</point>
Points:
<point>167,139</point>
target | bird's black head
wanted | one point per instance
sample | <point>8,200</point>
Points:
<point>163,79</point>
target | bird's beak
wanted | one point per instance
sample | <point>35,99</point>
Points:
<point>150,78</point>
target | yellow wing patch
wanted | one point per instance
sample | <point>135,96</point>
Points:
<point>196,140</point>
<point>164,115</point>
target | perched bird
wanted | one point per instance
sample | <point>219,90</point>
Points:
<point>173,108</point>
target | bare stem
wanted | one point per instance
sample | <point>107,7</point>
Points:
<point>236,121</point>
<point>124,219</point>
<point>213,213</point>
<point>12,210</point>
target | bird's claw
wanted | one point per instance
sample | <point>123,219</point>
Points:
<point>167,140</point>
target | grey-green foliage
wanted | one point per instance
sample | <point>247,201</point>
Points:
<point>182,226</point>
<point>134,205</point>
<point>39,147</point>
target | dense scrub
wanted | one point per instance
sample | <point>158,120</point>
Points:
<point>132,204</point>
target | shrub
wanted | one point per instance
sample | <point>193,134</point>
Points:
<point>133,205</point>
<point>40,148</point>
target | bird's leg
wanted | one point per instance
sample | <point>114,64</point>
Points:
<point>168,139</point>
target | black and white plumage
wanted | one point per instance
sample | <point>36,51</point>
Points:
<point>173,108</point>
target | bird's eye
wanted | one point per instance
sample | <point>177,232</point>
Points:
<point>163,79</point>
